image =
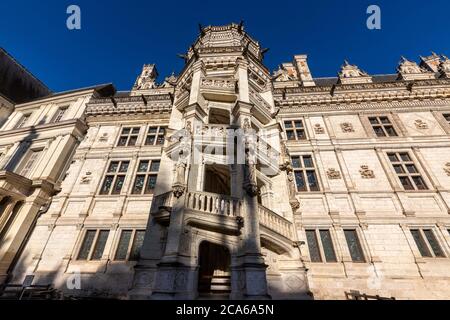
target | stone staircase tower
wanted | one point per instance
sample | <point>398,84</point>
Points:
<point>208,196</point>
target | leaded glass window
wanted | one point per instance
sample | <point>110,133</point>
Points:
<point>129,245</point>
<point>155,136</point>
<point>354,246</point>
<point>93,245</point>
<point>146,176</point>
<point>382,126</point>
<point>128,137</point>
<point>305,173</point>
<point>295,130</point>
<point>115,178</point>
<point>320,246</point>
<point>406,170</point>
<point>427,243</point>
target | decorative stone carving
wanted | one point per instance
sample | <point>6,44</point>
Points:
<point>104,138</point>
<point>147,78</point>
<point>351,74</point>
<point>179,187</point>
<point>366,173</point>
<point>447,168</point>
<point>420,124</point>
<point>347,127</point>
<point>333,174</point>
<point>87,178</point>
<point>444,67</point>
<point>318,129</point>
<point>410,70</point>
<point>285,72</point>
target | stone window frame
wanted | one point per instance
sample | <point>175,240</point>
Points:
<point>148,173</point>
<point>303,169</point>
<point>106,173</point>
<point>418,164</point>
<point>157,135</point>
<point>334,243</point>
<point>129,135</point>
<point>61,111</point>
<point>440,239</point>
<point>131,243</point>
<point>26,158</point>
<point>24,118</point>
<point>93,245</point>
<point>406,173</point>
<point>393,119</point>
<point>294,129</point>
<point>361,241</point>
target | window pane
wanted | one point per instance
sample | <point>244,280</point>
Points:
<point>405,157</point>
<point>138,184</point>
<point>393,157</point>
<point>137,244</point>
<point>155,166</point>
<point>354,246</point>
<point>118,185</point>
<point>290,135</point>
<point>327,244</point>
<point>379,131</point>
<point>126,130</point>
<point>296,162</point>
<point>307,160</point>
<point>313,245</point>
<point>288,124</point>
<point>143,166</point>
<point>423,249</point>
<point>100,245</point>
<point>420,184</point>
<point>399,168</point>
<point>150,140</point>
<point>106,185</point>
<point>390,131</point>
<point>301,134</point>
<point>113,166</point>
<point>300,180</point>
<point>384,120</point>
<point>298,124</point>
<point>373,120</point>
<point>122,248</point>
<point>406,183</point>
<point>152,130</point>
<point>132,141</point>
<point>136,131</point>
<point>87,244</point>
<point>160,140</point>
<point>411,168</point>
<point>151,183</point>
<point>312,181</point>
<point>122,142</point>
<point>433,243</point>
<point>124,166</point>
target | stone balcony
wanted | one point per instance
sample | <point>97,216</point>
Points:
<point>219,89</point>
<point>222,213</point>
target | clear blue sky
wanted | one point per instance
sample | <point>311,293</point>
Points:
<point>117,37</point>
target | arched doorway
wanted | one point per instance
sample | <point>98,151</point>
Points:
<point>214,273</point>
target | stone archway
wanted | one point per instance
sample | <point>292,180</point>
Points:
<point>214,275</point>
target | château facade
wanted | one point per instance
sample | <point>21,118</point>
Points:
<point>156,193</point>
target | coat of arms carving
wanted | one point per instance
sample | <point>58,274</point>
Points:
<point>366,173</point>
<point>347,127</point>
<point>333,174</point>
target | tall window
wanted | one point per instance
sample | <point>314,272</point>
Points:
<point>23,120</point>
<point>115,177</point>
<point>93,245</point>
<point>295,130</point>
<point>146,176</point>
<point>155,136</point>
<point>427,243</point>
<point>382,126</point>
<point>354,246</point>
<point>29,162</point>
<point>305,173</point>
<point>128,137</point>
<point>406,171</point>
<point>59,114</point>
<point>320,246</point>
<point>447,117</point>
<point>130,244</point>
